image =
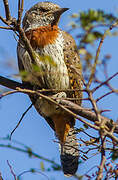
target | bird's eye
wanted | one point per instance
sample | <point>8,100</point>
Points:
<point>43,10</point>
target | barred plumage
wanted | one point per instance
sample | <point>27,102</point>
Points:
<point>59,68</point>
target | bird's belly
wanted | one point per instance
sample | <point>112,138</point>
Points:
<point>53,70</point>
<point>53,75</point>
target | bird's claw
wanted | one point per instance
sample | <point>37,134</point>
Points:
<point>59,96</point>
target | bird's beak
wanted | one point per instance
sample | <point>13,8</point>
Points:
<point>57,15</point>
<point>61,11</point>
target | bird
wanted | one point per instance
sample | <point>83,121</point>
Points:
<point>57,66</point>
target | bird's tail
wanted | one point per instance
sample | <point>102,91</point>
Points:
<point>69,154</point>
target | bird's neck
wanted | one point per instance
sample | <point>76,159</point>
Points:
<point>42,36</point>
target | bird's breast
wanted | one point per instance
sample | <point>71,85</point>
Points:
<point>41,36</point>
<point>52,72</point>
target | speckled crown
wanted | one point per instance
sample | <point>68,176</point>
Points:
<point>39,15</point>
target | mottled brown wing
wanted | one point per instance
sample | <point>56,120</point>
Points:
<point>69,152</point>
<point>74,67</point>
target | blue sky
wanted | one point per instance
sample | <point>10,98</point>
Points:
<point>33,130</point>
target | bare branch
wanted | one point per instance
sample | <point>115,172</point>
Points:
<point>94,104</point>
<point>4,20</point>
<point>12,84</point>
<point>30,152</point>
<point>103,160</point>
<point>12,172</point>
<point>71,107</point>
<point>20,11</point>
<point>105,126</point>
<point>7,11</point>
<point>105,82</point>
<point>98,99</point>
<point>96,59</point>
<point>16,26</point>
<point>6,28</point>
<point>33,171</point>
<point>20,120</point>
<point>27,44</point>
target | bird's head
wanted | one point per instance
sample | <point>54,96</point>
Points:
<point>42,14</point>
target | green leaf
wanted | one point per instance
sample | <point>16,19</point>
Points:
<point>56,167</point>
<point>29,151</point>
<point>92,16</point>
<point>97,34</point>
<point>74,15</point>
<point>89,38</point>
<point>32,170</point>
<point>42,166</point>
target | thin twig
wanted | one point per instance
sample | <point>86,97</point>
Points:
<point>105,82</point>
<point>4,20</point>
<point>103,160</point>
<point>27,44</point>
<point>6,28</point>
<point>79,110</point>
<point>29,151</point>
<point>16,26</point>
<point>95,138</point>
<point>54,102</point>
<point>20,11</point>
<point>90,170</point>
<point>61,90</point>
<point>12,172</point>
<point>61,106</point>
<point>7,11</point>
<point>8,93</point>
<point>101,97</point>
<point>96,59</point>
<point>20,120</point>
<point>114,25</point>
<point>94,104</point>
<point>32,171</point>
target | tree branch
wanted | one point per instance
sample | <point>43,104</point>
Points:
<point>68,106</point>
<point>30,153</point>
<point>7,11</point>
<point>11,169</point>
<point>12,84</point>
<point>96,60</point>
<point>103,160</point>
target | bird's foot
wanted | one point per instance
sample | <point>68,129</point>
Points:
<point>59,96</point>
